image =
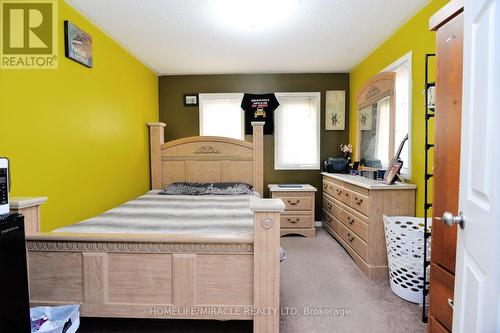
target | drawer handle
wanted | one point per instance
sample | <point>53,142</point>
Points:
<point>339,191</point>
<point>359,201</point>
<point>329,205</point>
<point>346,194</point>
<point>325,186</point>
<point>329,219</point>
<point>293,203</point>
<point>349,220</point>
<point>350,237</point>
<point>451,304</point>
<point>292,220</point>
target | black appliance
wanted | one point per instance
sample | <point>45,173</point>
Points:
<point>336,165</point>
<point>4,185</point>
<point>14,294</point>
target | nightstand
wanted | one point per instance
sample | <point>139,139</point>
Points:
<point>298,217</point>
<point>30,208</point>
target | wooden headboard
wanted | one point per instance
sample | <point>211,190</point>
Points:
<point>206,158</point>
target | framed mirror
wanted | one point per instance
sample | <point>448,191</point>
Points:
<point>376,104</point>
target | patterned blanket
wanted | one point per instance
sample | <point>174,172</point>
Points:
<point>173,214</point>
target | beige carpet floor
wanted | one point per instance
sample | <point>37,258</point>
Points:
<point>322,290</point>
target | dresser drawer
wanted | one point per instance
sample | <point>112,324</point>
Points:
<point>296,221</point>
<point>356,243</point>
<point>329,206</point>
<point>441,289</point>
<point>354,223</point>
<point>339,193</point>
<point>328,188</point>
<point>334,190</point>
<point>345,195</point>
<point>332,207</point>
<point>436,327</point>
<point>297,203</point>
<point>330,221</point>
<point>359,202</point>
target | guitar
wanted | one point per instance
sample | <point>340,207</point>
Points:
<point>396,158</point>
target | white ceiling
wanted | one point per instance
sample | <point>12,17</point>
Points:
<point>249,36</point>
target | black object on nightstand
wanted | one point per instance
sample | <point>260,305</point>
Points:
<point>14,294</point>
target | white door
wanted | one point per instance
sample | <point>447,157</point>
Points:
<point>477,283</point>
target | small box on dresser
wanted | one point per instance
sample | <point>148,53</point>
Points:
<point>353,209</point>
<point>298,217</point>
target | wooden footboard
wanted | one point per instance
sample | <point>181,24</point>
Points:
<point>157,276</point>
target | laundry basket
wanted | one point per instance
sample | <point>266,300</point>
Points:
<point>404,238</point>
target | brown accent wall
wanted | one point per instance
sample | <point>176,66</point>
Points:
<point>184,121</point>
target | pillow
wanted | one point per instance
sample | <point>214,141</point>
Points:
<point>182,188</point>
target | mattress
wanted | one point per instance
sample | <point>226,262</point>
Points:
<point>153,213</point>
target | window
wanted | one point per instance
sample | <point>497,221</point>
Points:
<point>221,115</point>
<point>382,139</point>
<point>403,68</point>
<point>296,131</point>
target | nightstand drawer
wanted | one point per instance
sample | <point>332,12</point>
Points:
<point>296,221</point>
<point>297,203</point>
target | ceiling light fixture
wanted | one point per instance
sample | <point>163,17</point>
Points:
<point>253,15</point>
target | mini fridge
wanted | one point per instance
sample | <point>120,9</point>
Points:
<point>14,294</point>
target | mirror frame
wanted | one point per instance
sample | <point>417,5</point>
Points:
<point>375,89</point>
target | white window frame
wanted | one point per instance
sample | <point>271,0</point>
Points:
<point>316,166</point>
<point>407,58</point>
<point>201,97</point>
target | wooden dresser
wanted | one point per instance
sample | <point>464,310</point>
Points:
<point>353,209</point>
<point>448,24</point>
<point>298,217</point>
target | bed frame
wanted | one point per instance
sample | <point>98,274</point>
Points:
<point>166,276</point>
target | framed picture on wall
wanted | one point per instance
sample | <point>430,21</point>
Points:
<point>77,44</point>
<point>190,99</point>
<point>335,110</point>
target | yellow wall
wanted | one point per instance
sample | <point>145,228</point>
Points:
<point>78,135</point>
<point>413,36</point>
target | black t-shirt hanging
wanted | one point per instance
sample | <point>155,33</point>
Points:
<point>259,107</point>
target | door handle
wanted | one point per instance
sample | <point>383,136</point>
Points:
<point>451,304</point>
<point>449,219</point>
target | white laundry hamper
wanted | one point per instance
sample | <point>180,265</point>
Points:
<point>404,238</point>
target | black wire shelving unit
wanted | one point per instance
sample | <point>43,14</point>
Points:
<point>429,115</point>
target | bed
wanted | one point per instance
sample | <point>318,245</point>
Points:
<point>123,265</point>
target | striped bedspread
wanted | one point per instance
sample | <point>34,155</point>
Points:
<point>173,214</point>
